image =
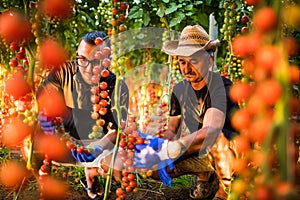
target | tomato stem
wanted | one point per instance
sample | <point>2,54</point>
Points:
<point>116,147</point>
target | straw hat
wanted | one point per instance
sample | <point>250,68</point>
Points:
<point>192,39</point>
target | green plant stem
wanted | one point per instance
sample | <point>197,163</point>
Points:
<point>30,77</point>
<point>116,147</point>
<point>169,81</point>
<point>281,118</point>
<point>30,80</point>
<point>25,7</point>
<point>282,140</point>
<point>169,85</point>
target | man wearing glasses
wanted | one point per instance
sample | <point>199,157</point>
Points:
<point>74,80</point>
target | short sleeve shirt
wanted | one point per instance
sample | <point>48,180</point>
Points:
<point>77,95</point>
<point>192,104</point>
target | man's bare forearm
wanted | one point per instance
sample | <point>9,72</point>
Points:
<point>194,142</point>
<point>170,135</point>
<point>108,141</point>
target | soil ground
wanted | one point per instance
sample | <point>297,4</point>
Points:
<point>149,190</point>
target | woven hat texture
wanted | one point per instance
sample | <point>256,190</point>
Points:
<point>192,39</point>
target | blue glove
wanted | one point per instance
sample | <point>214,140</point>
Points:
<point>154,152</point>
<point>46,124</point>
<point>163,173</point>
<point>150,153</point>
<point>84,157</point>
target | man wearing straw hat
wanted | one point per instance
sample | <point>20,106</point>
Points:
<point>197,139</point>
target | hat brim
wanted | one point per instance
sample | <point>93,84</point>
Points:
<point>172,48</point>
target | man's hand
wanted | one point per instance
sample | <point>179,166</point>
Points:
<point>85,157</point>
<point>46,124</point>
<point>152,152</point>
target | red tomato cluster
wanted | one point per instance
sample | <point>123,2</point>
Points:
<point>118,12</point>
<point>100,100</point>
<point>129,138</point>
<point>268,76</point>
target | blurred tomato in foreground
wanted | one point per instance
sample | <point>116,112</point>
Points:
<point>15,131</point>
<point>14,27</point>
<point>52,54</point>
<point>58,8</point>
<point>17,86</point>
<point>240,91</point>
<point>52,146</point>
<point>12,173</point>
<point>252,2</point>
<point>51,102</point>
<point>52,188</point>
<point>265,19</point>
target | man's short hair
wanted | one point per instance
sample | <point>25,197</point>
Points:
<point>91,36</point>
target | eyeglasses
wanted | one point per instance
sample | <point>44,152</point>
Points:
<point>84,62</point>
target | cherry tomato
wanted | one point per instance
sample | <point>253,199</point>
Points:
<point>13,63</point>
<point>131,177</point>
<point>105,73</point>
<point>130,145</point>
<point>128,188</point>
<point>96,69</point>
<point>98,41</point>
<point>103,85</point>
<point>139,140</point>
<point>122,143</point>
<point>133,184</point>
<point>95,90</point>
<point>119,192</point>
<point>131,138</point>
<point>103,111</point>
<point>149,173</point>
<point>100,122</point>
<point>70,144</point>
<point>130,154</point>
<point>96,107</point>
<point>95,115</point>
<point>14,46</point>
<point>99,55</point>
<point>106,62</point>
<point>103,94</point>
<point>95,99</point>
<point>106,51</point>
<point>80,149</point>
<point>103,103</point>
<point>125,174</point>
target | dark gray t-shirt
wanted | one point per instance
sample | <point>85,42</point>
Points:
<point>192,104</point>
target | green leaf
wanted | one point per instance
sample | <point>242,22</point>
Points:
<point>189,13</point>
<point>172,8</point>
<point>202,18</point>
<point>135,12</point>
<point>189,7</point>
<point>179,16</point>
<point>146,18</point>
<point>208,2</point>
<point>198,2</point>
<point>166,1</point>
<point>161,10</point>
